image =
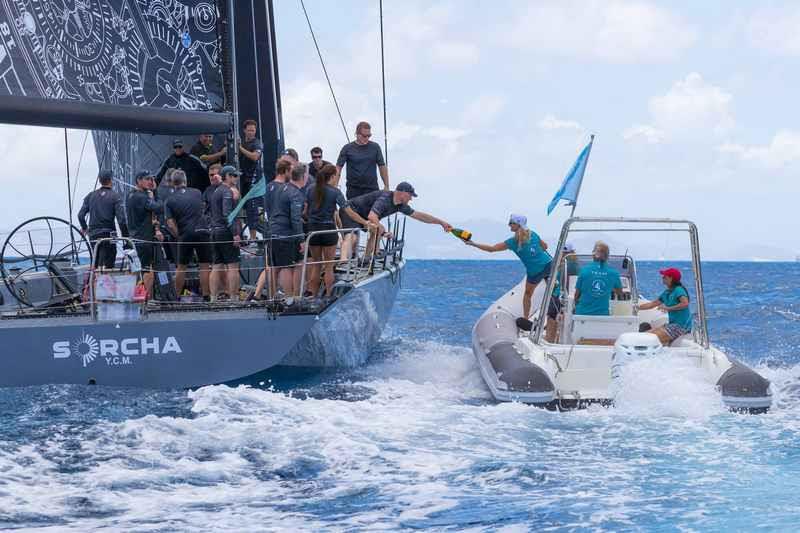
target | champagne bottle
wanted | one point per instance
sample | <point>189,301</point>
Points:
<point>462,234</point>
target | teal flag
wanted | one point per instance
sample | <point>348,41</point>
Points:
<point>257,190</point>
<point>571,185</point>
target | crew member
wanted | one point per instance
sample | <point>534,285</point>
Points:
<point>674,301</point>
<point>286,229</point>
<point>103,206</point>
<point>225,236</point>
<point>367,210</point>
<point>214,179</point>
<point>185,218</point>
<point>143,211</point>
<point>251,149</point>
<point>316,162</point>
<point>362,157</point>
<point>196,173</point>
<point>531,250</point>
<point>595,284</point>
<point>283,170</point>
<point>321,203</point>
<point>203,149</point>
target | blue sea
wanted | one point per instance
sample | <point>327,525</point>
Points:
<point>413,441</point>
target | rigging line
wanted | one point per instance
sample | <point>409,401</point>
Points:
<point>78,171</point>
<point>383,86</point>
<point>325,70</point>
<point>69,194</point>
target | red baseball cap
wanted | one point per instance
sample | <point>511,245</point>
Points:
<point>674,273</point>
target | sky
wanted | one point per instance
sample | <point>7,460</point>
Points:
<point>489,104</point>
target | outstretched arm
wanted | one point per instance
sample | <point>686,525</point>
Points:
<point>430,219</point>
<point>499,247</point>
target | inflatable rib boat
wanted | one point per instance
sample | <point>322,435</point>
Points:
<point>581,366</point>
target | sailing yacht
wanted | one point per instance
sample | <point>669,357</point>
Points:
<point>137,73</point>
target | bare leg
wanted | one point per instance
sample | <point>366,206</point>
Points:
<point>297,275</point>
<point>313,280</point>
<point>204,274</point>
<point>526,299</point>
<point>328,255</point>
<point>217,275</point>
<point>180,276</point>
<point>233,281</point>
<point>148,283</point>
<point>349,244</point>
<point>286,280</point>
<point>550,330</point>
<point>262,281</point>
<point>662,335</point>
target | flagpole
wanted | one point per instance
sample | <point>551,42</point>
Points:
<point>578,193</point>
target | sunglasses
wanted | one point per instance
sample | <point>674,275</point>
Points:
<point>365,134</point>
<point>316,157</point>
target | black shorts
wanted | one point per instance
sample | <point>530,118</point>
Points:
<point>194,242</point>
<point>354,190</point>
<point>225,253</point>
<point>106,250</point>
<point>284,252</point>
<point>147,255</point>
<point>554,307</point>
<point>325,239</point>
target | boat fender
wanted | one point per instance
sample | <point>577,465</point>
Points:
<point>519,374</point>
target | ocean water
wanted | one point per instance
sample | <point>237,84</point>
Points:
<point>412,440</point>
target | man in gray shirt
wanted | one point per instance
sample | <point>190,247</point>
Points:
<point>285,210</point>
<point>225,237</point>
<point>103,206</point>
<point>362,157</point>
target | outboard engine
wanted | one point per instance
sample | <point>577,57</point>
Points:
<point>744,390</point>
<point>632,345</point>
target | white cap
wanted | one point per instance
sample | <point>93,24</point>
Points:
<point>568,248</point>
<point>520,220</point>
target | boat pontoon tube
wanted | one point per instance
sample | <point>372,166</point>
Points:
<point>517,378</point>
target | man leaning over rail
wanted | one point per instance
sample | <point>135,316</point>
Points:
<point>368,209</point>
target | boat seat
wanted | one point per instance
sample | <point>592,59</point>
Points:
<point>589,329</point>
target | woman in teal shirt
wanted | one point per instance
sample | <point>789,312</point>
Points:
<point>530,249</point>
<point>674,301</point>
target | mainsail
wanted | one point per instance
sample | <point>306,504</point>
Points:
<point>137,72</point>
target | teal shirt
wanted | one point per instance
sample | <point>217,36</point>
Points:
<point>671,297</point>
<point>533,256</point>
<point>596,282</point>
<point>572,270</point>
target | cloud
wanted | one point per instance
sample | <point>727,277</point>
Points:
<point>691,108</point>
<point>550,122</point>
<point>484,109</point>
<point>616,31</point>
<point>454,54</point>
<point>643,133</point>
<point>775,30</point>
<point>784,148</point>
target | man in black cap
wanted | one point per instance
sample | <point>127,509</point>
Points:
<point>225,236</point>
<point>143,211</point>
<point>103,206</point>
<point>196,172</point>
<point>368,209</point>
<point>250,151</point>
<point>185,218</point>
